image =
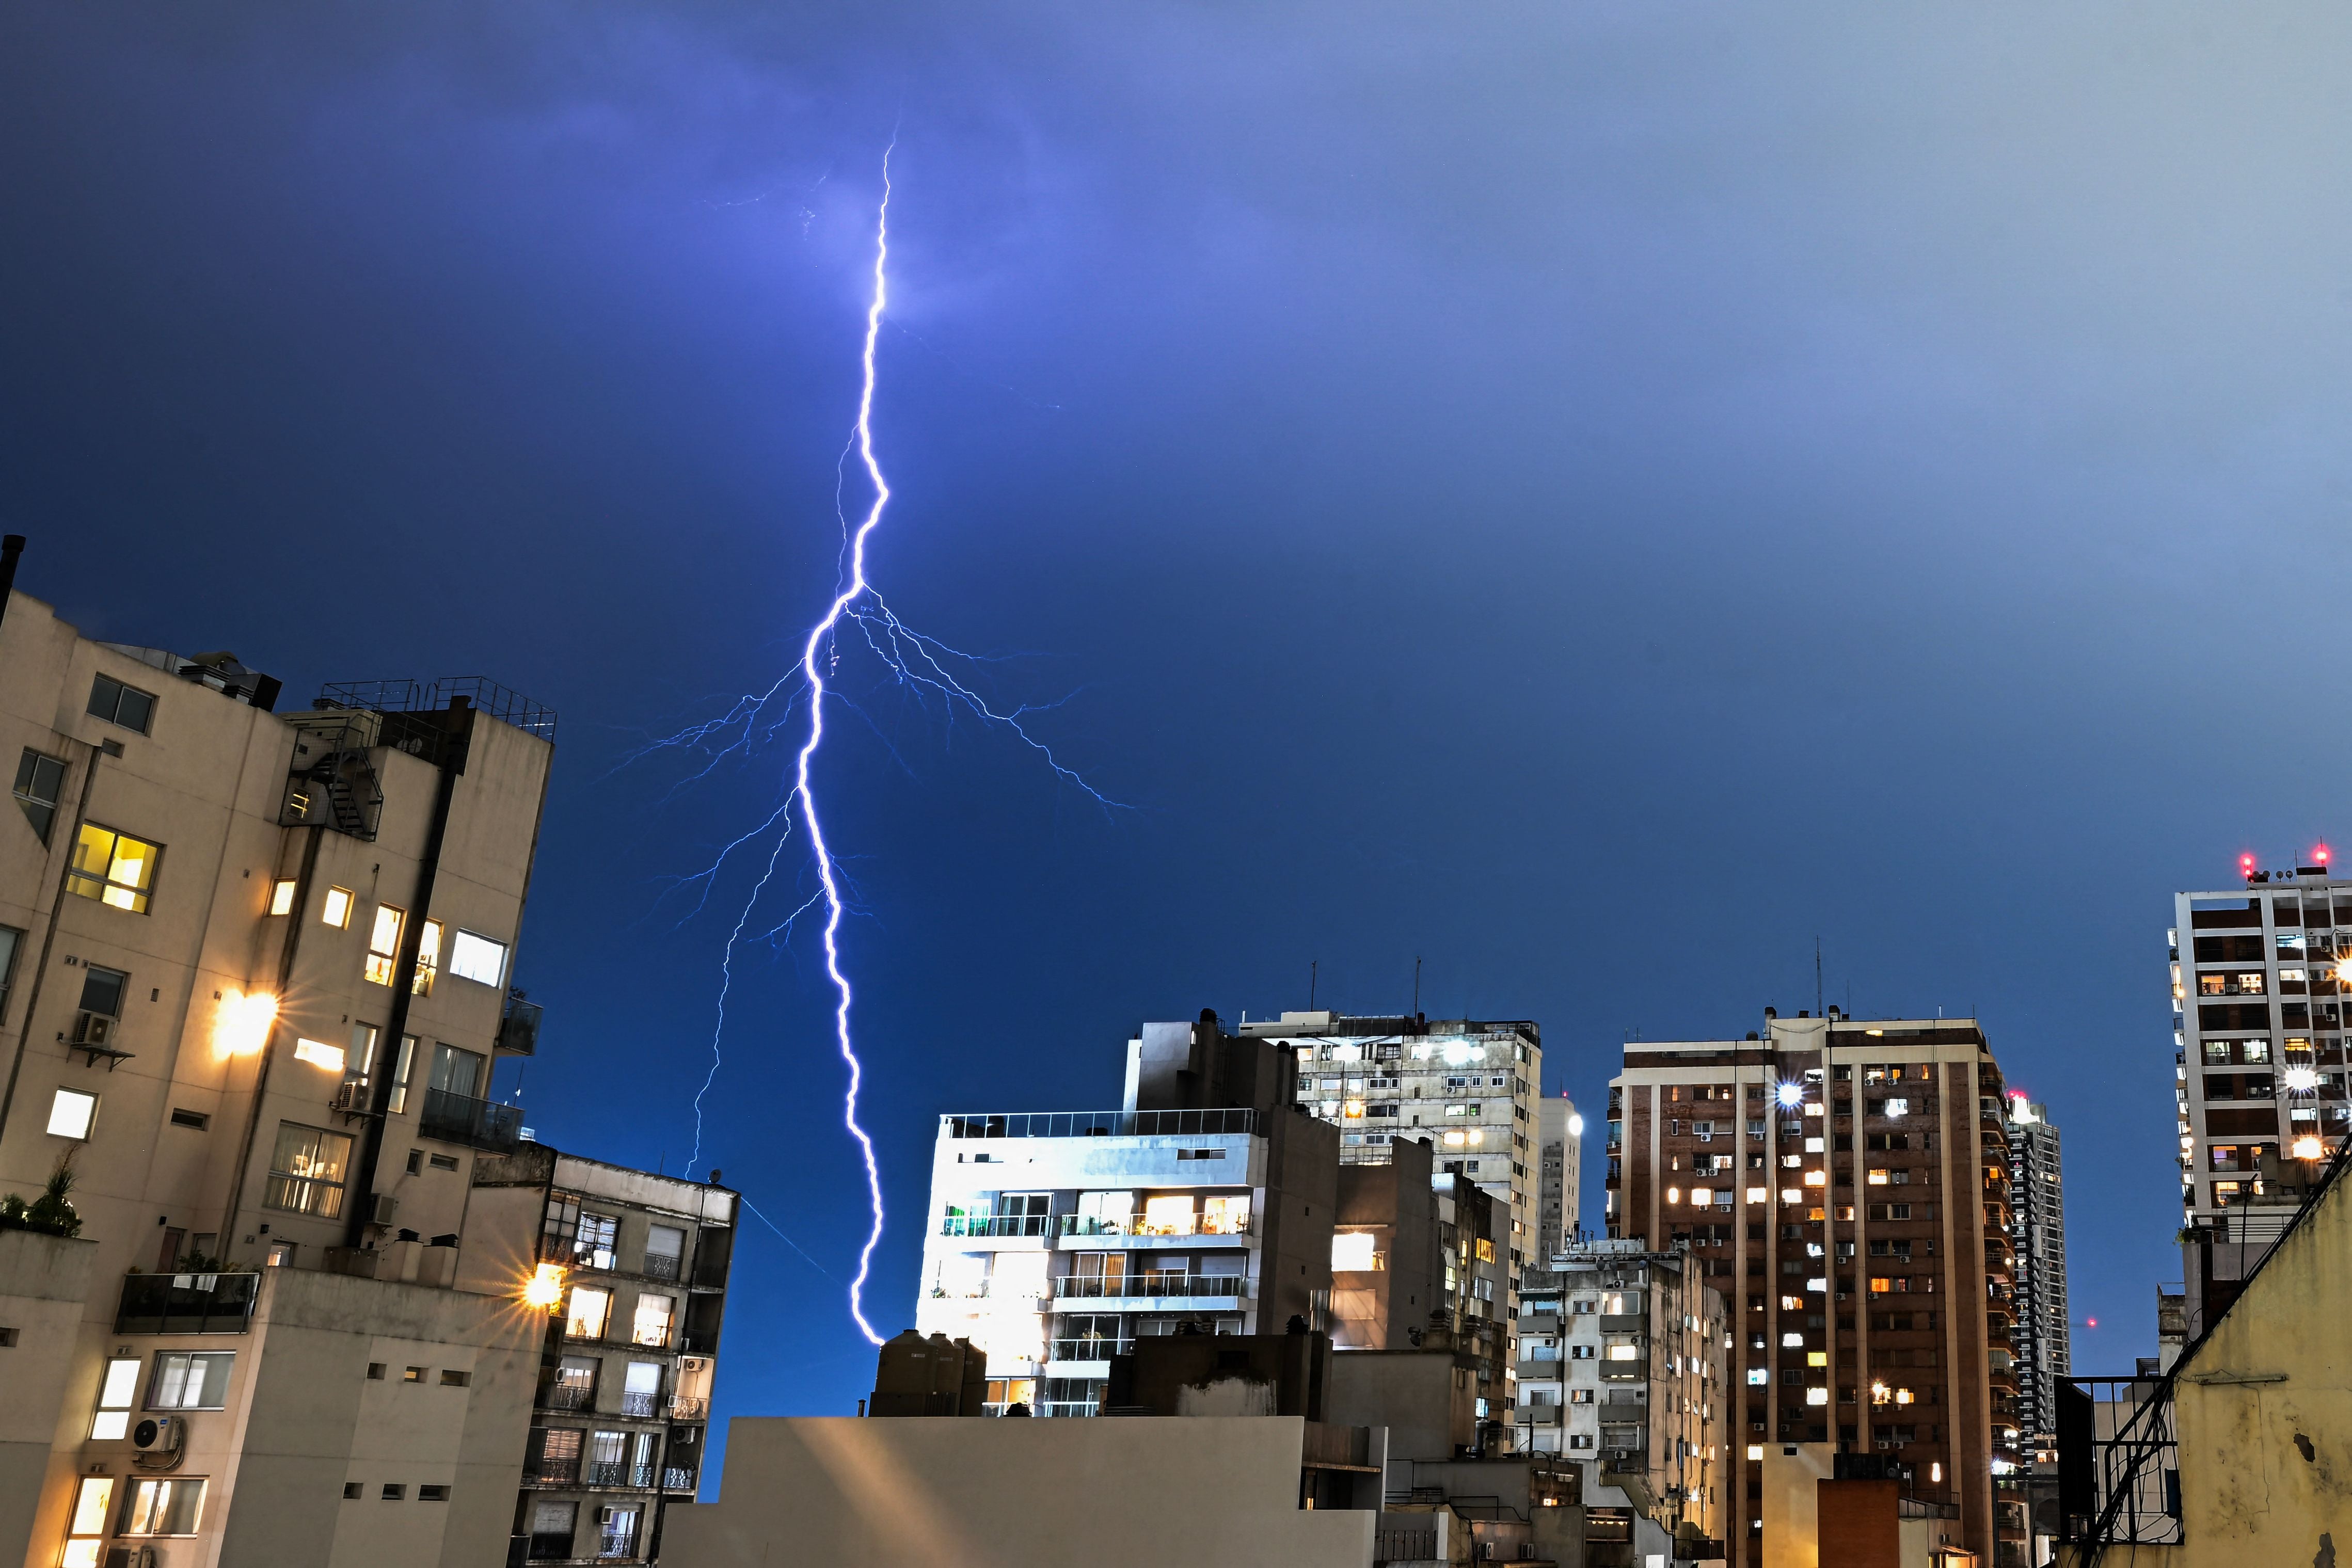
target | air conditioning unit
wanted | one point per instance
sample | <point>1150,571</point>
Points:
<point>351,1095</point>
<point>130,1557</point>
<point>691,1364</point>
<point>605,1515</point>
<point>382,1207</point>
<point>159,1435</point>
<point>92,1029</point>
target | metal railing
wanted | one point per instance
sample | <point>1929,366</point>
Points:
<point>557,1472</point>
<point>660,1266</point>
<point>1405,1546</point>
<point>568,1397</point>
<point>1086,1349</point>
<point>518,1026</point>
<point>1090,1286</point>
<point>2134,1469</point>
<point>186,1303</point>
<point>984,1225</point>
<point>635,1402</point>
<point>1136,1225</point>
<point>679,1478</point>
<point>619,1473</point>
<point>686,1407</point>
<point>1100,1123</point>
<point>480,1124</point>
<point>550,1548</point>
<point>486,696</point>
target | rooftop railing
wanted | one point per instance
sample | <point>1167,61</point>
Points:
<point>1088,1287</point>
<point>187,1303</point>
<point>1217,1123</point>
<point>462,1119</point>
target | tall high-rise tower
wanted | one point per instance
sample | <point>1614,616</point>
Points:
<point>2038,1232</point>
<point>1847,1182</point>
<point>1560,1146</point>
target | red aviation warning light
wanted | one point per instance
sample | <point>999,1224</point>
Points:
<point>2246,866</point>
<point>2319,855</point>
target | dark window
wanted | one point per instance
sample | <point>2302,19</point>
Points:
<point>128,707</point>
<point>186,1118</point>
<point>394,1491</point>
<point>40,781</point>
<point>354,1489</point>
<point>431,1494</point>
<point>102,990</point>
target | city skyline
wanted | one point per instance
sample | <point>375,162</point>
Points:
<point>1490,491</point>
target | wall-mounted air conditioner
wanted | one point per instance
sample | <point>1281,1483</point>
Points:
<point>92,1029</point>
<point>382,1207</point>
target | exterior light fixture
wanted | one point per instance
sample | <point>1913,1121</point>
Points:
<point>242,1025</point>
<point>2302,1079</point>
<point>544,1288</point>
<point>2309,1148</point>
<point>1788,1094</point>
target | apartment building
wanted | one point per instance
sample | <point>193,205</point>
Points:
<point>255,977</point>
<point>1205,1203</point>
<point>636,1267</point>
<point>1560,1152</point>
<point>1536,1334</point>
<point>2043,1337</point>
<point>1647,1400</point>
<point>1471,1087</point>
<point>1847,1183</point>
<point>2258,1041</point>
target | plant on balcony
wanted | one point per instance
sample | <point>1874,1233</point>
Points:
<point>52,1213</point>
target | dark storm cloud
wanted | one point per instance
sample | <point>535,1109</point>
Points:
<point>1596,496</point>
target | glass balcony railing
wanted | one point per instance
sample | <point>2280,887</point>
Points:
<point>187,1303</point>
<point>1100,1124</point>
<point>1089,1287</point>
<point>462,1119</point>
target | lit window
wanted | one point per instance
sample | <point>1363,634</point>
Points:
<point>114,868</point>
<point>1792,1195</point>
<point>1817,1358</point>
<point>115,1392</point>
<point>191,1380</point>
<point>1227,1216</point>
<point>1168,1216</point>
<point>1352,1252</point>
<point>474,956</point>
<point>1876,1178</point>
<point>40,782</point>
<point>384,943</point>
<point>1757,1376</point>
<point>1896,1108</point>
<point>281,896</point>
<point>1817,1395</point>
<point>1758,1194</point>
<point>85,1532</point>
<point>164,1507</point>
<point>1674,1194</point>
<point>1793,1341</point>
<point>400,1073</point>
<point>115,703</point>
<point>1792,1303</point>
<point>306,1171</point>
<point>428,960</point>
<point>335,910</point>
<point>1755,1452</point>
<point>71,1113</point>
<point>590,1309</point>
<point>653,1314</point>
<point>1817,1178</point>
<point>1702,1197</point>
<point>318,1053</point>
<point>1624,1352</point>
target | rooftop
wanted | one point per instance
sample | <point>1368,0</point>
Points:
<point>1328,1024</point>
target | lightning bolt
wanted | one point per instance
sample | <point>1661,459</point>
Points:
<point>919,665</point>
<point>803,793</point>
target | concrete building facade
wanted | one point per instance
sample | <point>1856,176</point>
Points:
<point>1559,1153</point>
<point>255,975</point>
<point>1847,1182</point>
<point>620,1398</point>
<point>1647,1400</point>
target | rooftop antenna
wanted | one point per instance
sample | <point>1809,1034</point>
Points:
<point>1416,984</point>
<point>1819,1010</point>
<point>1312,965</point>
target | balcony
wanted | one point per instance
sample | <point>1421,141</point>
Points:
<point>480,1124</point>
<point>187,1303</point>
<point>660,1266</point>
<point>645,1407</point>
<point>1136,1225</point>
<point>1086,1349</point>
<point>619,1473</point>
<point>997,1225</point>
<point>1156,1284</point>
<point>679,1478</point>
<point>556,1471</point>
<point>1101,1124</point>
<point>518,1028</point>
<point>568,1397</point>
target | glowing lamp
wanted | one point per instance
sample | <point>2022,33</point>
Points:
<point>2302,1079</point>
<point>2309,1148</point>
<point>2319,855</point>
<point>2246,864</point>
<point>544,1288</point>
<point>1787,1094</point>
<point>1576,1124</point>
<point>242,1025</point>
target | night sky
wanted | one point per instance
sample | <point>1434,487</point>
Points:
<point>1592,496</point>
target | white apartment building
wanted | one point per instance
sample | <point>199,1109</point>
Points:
<point>1644,1375</point>
<point>1471,1087</point>
<point>1056,1239</point>
<point>2258,1036</point>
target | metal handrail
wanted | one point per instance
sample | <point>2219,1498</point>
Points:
<point>1221,1122</point>
<point>1092,1287</point>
